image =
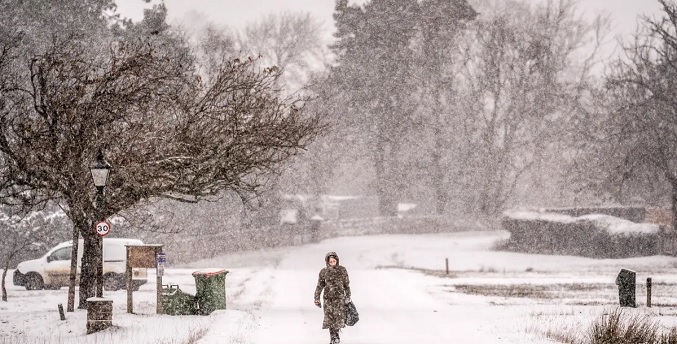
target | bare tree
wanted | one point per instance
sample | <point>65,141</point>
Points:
<point>630,142</point>
<point>525,75</point>
<point>313,172</point>
<point>167,133</point>
<point>214,43</point>
<point>290,41</point>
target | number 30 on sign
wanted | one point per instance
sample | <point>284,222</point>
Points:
<point>102,228</point>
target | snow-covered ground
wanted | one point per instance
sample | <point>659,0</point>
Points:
<point>399,286</point>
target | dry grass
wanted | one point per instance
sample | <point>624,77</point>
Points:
<point>615,326</point>
<point>516,290</point>
<point>537,291</point>
<point>195,335</point>
<point>568,337</point>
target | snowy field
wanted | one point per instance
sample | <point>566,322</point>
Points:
<point>399,286</point>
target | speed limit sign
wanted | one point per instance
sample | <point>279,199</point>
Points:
<point>102,228</point>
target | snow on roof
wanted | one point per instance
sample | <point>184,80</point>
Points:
<point>405,206</point>
<point>341,198</point>
<point>614,225</point>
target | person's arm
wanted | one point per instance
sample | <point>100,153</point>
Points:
<point>346,285</point>
<point>320,286</point>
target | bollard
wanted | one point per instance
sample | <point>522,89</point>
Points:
<point>626,282</point>
<point>61,314</point>
<point>99,314</point>
<point>648,292</point>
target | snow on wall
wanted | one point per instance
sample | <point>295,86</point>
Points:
<point>611,224</point>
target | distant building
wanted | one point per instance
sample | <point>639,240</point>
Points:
<point>299,208</point>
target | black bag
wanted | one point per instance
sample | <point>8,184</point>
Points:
<point>352,317</point>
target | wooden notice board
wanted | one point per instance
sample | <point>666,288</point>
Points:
<point>142,256</point>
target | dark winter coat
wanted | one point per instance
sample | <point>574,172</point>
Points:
<point>334,281</point>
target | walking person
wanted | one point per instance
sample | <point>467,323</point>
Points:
<point>334,281</point>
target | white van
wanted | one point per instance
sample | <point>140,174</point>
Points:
<point>52,271</point>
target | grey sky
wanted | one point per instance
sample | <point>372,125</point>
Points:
<point>237,12</point>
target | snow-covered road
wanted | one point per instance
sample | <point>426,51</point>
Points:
<point>395,306</point>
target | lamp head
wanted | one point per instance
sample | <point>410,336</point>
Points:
<point>100,169</point>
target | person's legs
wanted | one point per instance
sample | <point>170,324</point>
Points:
<point>334,334</point>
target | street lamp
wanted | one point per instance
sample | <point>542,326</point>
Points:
<point>100,169</point>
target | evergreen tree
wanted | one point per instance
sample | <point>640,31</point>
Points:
<point>374,68</point>
<point>441,23</point>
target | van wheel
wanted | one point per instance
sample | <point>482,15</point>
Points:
<point>111,282</point>
<point>34,281</point>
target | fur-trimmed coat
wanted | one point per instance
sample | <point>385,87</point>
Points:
<point>334,282</point>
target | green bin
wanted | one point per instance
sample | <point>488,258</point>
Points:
<point>177,302</point>
<point>210,286</point>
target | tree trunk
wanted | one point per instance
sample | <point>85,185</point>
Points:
<point>441,194</point>
<point>12,253</point>
<point>4,274</point>
<point>89,260</point>
<point>74,270</point>
<point>438,172</point>
<point>387,204</point>
<point>379,166</point>
<point>674,206</point>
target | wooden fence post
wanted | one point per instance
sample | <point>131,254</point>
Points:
<point>648,292</point>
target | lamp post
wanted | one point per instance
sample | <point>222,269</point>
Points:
<point>100,169</point>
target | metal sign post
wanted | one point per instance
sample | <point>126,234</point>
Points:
<point>102,229</point>
<point>161,259</point>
